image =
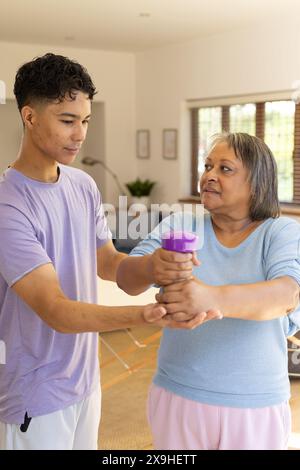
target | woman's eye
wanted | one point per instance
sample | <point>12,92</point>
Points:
<point>207,167</point>
<point>226,169</point>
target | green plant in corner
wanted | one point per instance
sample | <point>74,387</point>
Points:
<point>140,188</point>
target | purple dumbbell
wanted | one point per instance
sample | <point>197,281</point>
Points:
<point>183,242</point>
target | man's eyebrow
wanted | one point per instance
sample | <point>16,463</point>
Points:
<point>75,116</point>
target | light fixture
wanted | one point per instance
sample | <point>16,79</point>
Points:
<point>90,161</point>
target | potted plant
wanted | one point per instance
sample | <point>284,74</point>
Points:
<point>140,191</point>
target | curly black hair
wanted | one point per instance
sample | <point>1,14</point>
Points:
<point>50,78</point>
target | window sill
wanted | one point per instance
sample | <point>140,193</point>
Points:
<point>286,209</point>
<point>190,200</point>
<point>290,209</point>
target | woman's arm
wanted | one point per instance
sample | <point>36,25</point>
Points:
<point>137,273</point>
<point>265,300</point>
<point>260,301</point>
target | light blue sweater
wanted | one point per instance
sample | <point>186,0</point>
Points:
<point>232,362</point>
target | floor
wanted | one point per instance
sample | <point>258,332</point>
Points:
<point>124,391</point>
<point>125,384</point>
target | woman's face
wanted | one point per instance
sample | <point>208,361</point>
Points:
<point>224,187</point>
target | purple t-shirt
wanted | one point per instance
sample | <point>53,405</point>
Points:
<point>62,223</point>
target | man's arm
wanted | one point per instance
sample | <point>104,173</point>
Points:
<point>260,301</point>
<point>108,260</point>
<point>162,267</point>
<point>41,291</point>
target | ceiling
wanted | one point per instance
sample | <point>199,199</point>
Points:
<point>132,25</point>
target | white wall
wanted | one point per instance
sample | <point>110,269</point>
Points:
<point>149,91</point>
<point>236,63</point>
<point>10,133</point>
<point>114,76</point>
<point>94,146</point>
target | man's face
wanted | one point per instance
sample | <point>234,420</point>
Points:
<point>59,129</point>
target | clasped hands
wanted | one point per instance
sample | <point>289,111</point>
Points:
<point>188,301</point>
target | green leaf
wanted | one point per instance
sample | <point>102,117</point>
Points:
<point>140,187</point>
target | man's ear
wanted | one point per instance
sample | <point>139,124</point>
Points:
<point>28,116</point>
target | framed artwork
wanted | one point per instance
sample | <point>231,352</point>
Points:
<point>170,144</point>
<point>143,143</point>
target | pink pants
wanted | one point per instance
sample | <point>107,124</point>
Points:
<point>181,424</point>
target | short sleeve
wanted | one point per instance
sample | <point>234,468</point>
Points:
<point>283,259</point>
<point>103,233</point>
<point>20,250</point>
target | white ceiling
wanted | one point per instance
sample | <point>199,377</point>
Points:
<point>118,24</point>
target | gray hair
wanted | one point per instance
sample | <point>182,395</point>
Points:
<point>260,162</point>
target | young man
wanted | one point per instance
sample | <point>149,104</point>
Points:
<point>54,243</point>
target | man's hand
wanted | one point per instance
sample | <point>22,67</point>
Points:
<point>184,301</point>
<point>166,267</point>
<point>157,314</point>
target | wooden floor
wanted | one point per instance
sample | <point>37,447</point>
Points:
<point>124,390</point>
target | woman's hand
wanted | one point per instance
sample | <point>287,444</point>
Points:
<point>186,300</point>
<point>166,267</point>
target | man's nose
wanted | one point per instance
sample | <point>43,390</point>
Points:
<point>79,133</point>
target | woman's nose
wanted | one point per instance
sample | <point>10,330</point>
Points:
<point>211,174</point>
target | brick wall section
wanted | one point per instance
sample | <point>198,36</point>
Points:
<point>225,118</point>
<point>195,146</point>
<point>296,156</point>
<point>260,120</point>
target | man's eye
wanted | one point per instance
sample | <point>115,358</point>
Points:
<point>67,122</point>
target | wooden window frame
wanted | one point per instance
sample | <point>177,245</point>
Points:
<point>259,128</point>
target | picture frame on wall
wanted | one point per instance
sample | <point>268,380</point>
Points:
<point>170,144</point>
<point>143,143</point>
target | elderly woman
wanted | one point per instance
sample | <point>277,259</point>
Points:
<point>224,384</point>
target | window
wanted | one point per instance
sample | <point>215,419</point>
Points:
<point>276,122</point>
<point>242,118</point>
<point>279,136</point>
<point>209,124</point>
